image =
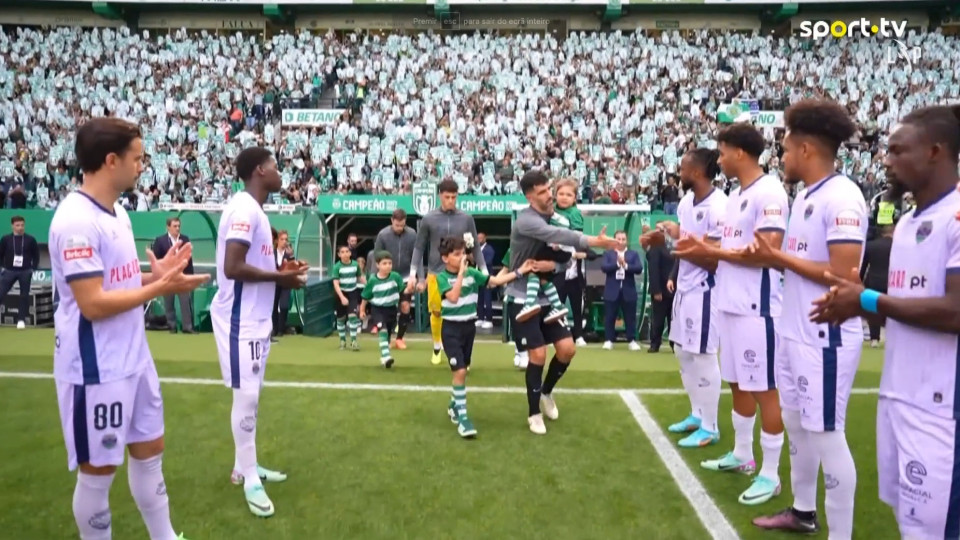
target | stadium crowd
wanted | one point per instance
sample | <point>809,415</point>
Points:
<point>613,110</point>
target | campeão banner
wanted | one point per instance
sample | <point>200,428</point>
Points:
<point>384,205</point>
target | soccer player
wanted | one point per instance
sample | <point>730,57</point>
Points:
<point>247,276</point>
<point>694,330</point>
<point>817,362</point>
<point>437,224</point>
<point>748,303</point>
<point>346,274</point>
<point>530,233</point>
<point>107,384</point>
<point>917,451</point>
<point>459,286</point>
<point>382,292</point>
<point>400,240</point>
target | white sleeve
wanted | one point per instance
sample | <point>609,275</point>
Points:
<point>241,224</point>
<point>846,220</point>
<point>715,225</point>
<point>77,248</point>
<point>772,207</point>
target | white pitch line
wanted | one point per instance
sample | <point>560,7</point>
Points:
<point>406,387</point>
<point>710,515</point>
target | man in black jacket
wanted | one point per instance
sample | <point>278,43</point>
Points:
<point>873,272</point>
<point>659,267</point>
<point>161,245</point>
<point>19,257</point>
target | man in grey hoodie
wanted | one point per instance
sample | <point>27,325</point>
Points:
<point>530,235</point>
<point>436,225</point>
<point>399,240</point>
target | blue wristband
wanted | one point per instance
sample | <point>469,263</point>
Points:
<point>869,299</point>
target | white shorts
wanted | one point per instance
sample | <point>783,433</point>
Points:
<point>100,420</point>
<point>243,351</point>
<point>918,470</point>
<point>748,348</point>
<point>816,381</point>
<point>694,326</point>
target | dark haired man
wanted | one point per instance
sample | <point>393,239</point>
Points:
<point>530,234</point>
<point>436,225</point>
<point>242,313</point>
<point>19,257</point>
<point>400,241</point>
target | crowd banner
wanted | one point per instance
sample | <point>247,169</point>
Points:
<point>419,203</point>
<point>769,119</point>
<point>310,117</point>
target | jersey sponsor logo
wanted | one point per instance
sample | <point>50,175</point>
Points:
<point>72,254</point>
<point>266,250</point>
<point>732,232</point>
<point>750,356</point>
<point>240,226</point>
<point>896,279</point>
<point>918,281</point>
<point>123,272</point>
<point>924,231</point>
<point>802,383</point>
<point>773,210</point>
<point>793,244</point>
<point>848,221</point>
<point>915,472</point>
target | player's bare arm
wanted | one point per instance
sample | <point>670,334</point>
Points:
<point>842,302</point>
<point>843,256</point>
<point>691,248</point>
<point>95,303</point>
<point>235,267</point>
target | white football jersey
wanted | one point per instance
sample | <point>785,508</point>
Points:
<point>832,211</point>
<point>699,218</point>
<point>763,206</point>
<point>920,365</point>
<point>243,220</point>
<point>88,240</point>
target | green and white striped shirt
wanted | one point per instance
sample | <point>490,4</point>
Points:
<point>465,308</point>
<point>383,292</point>
<point>346,274</point>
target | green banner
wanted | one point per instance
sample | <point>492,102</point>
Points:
<point>384,205</point>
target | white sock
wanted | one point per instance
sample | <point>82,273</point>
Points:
<point>743,436</point>
<point>771,445</point>
<point>437,345</point>
<point>706,389</point>
<point>689,380</point>
<point>804,463</point>
<point>840,472</point>
<point>91,506</point>
<point>243,420</point>
<point>150,493</point>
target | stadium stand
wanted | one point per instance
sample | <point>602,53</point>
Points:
<point>614,109</point>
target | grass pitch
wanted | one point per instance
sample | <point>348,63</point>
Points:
<point>371,453</point>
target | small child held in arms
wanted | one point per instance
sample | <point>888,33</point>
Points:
<point>459,286</point>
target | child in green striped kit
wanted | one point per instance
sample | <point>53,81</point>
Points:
<point>383,293</point>
<point>346,285</point>
<point>459,286</point>
<point>567,218</point>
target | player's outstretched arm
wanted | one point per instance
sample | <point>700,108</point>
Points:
<point>506,276</point>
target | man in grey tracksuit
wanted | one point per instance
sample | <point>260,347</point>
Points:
<point>436,225</point>
<point>399,240</point>
<point>529,237</point>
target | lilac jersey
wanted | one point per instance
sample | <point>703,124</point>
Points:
<point>920,365</point>
<point>699,218</point>
<point>243,220</point>
<point>762,207</point>
<point>832,211</point>
<point>87,241</point>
